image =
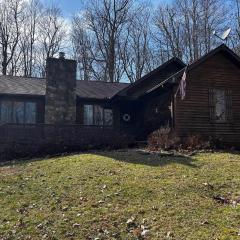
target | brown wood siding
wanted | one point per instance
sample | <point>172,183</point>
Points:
<point>192,115</point>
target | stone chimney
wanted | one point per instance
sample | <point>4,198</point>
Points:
<point>60,101</point>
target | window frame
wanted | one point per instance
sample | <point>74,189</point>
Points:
<point>228,106</point>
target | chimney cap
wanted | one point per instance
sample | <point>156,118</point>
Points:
<point>61,55</point>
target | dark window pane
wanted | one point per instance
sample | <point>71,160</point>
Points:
<point>30,112</point>
<point>6,112</point>
<point>98,115</point>
<point>18,112</point>
<point>88,115</point>
<point>108,117</point>
<point>219,100</point>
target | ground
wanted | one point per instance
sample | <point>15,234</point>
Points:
<point>121,195</point>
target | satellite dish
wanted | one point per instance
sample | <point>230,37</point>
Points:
<point>226,34</point>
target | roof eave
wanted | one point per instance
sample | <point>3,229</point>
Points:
<point>174,59</point>
<point>22,95</point>
<point>177,75</point>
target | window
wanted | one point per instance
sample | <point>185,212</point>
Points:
<point>17,112</point>
<point>220,105</point>
<point>6,112</point>
<point>88,115</point>
<point>97,115</point>
<point>108,117</point>
<point>30,112</point>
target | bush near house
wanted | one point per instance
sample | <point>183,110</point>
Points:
<point>165,139</point>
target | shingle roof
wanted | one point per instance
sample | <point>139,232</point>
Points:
<point>222,48</point>
<point>37,87</point>
<point>152,78</point>
<point>22,85</point>
<point>98,89</point>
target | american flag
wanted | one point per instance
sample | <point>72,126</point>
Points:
<point>183,85</point>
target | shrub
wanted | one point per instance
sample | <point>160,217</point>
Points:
<point>163,138</point>
<point>197,142</point>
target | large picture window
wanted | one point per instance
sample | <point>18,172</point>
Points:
<point>18,112</point>
<point>97,115</point>
<point>220,105</point>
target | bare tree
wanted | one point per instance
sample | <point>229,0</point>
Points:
<point>10,21</point>
<point>106,19</point>
<point>112,40</point>
<point>186,26</point>
<point>169,33</point>
<point>135,45</point>
<point>83,48</point>
<point>28,36</point>
<point>235,39</point>
<point>50,36</point>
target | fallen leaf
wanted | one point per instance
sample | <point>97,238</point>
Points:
<point>76,225</point>
<point>145,233</point>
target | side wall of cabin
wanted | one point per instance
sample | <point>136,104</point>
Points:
<point>193,114</point>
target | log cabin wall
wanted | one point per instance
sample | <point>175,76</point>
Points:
<point>193,114</point>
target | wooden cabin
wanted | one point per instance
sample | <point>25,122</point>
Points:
<point>211,107</point>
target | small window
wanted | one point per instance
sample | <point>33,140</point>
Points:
<point>220,105</point>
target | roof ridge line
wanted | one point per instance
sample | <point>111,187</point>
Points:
<point>101,81</point>
<point>39,78</point>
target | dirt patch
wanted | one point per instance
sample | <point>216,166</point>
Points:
<point>9,170</point>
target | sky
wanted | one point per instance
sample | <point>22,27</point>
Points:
<point>70,7</point>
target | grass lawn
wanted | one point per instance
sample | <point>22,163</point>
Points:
<point>121,195</point>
